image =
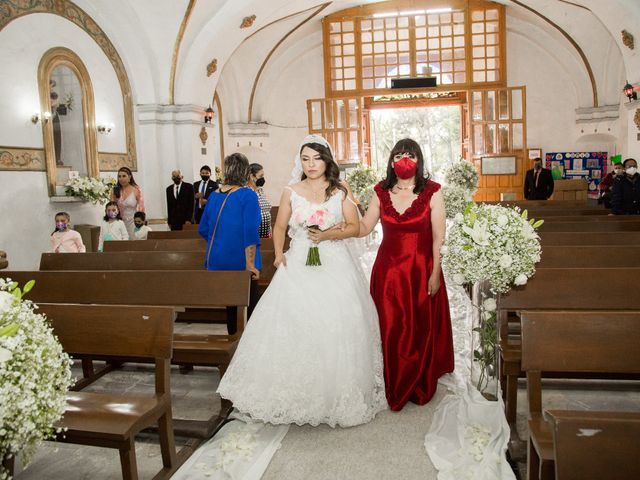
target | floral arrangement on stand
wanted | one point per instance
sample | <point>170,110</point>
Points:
<point>35,375</point>
<point>362,179</point>
<point>462,174</point>
<point>494,244</point>
<point>91,189</point>
<point>456,199</point>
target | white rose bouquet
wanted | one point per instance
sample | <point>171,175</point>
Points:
<point>94,190</point>
<point>462,174</point>
<point>493,243</point>
<point>35,375</point>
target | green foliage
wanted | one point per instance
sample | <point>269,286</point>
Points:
<point>362,179</point>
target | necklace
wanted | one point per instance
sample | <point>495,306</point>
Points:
<point>409,187</point>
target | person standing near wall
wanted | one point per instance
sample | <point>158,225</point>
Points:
<point>538,183</point>
<point>180,201</point>
<point>128,195</point>
<point>256,182</point>
<point>203,188</point>
<point>625,197</point>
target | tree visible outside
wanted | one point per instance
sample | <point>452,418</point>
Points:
<point>436,129</point>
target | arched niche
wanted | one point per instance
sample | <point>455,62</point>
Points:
<point>55,64</point>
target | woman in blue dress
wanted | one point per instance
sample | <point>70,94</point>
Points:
<point>232,217</point>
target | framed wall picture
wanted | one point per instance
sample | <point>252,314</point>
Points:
<point>498,165</point>
<point>535,153</point>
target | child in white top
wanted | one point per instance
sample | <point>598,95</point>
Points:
<point>140,230</point>
<point>63,239</point>
<point>112,227</point>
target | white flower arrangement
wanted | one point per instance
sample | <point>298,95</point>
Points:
<point>456,199</point>
<point>35,375</point>
<point>362,179</point>
<point>462,174</point>
<point>91,189</point>
<point>492,243</point>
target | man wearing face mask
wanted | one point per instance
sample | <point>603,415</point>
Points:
<point>606,185</point>
<point>625,195</point>
<point>180,202</point>
<point>203,188</point>
<point>538,183</point>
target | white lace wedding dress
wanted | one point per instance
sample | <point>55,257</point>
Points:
<point>311,351</point>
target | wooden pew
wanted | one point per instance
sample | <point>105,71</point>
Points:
<point>558,289</point>
<point>592,218</point>
<point>175,234</point>
<point>577,256</point>
<point>591,445</point>
<point>190,226</point>
<point>97,419</point>
<point>164,245</point>
<point>591,238</point>
<point>590,226</point>
<point>182,289</point>
<point>123,261</point>
<point>571,342</point>
<point>561,212</point>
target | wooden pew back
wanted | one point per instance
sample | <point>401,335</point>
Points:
<point>592,218</point>
<point>592,445</point>
<point>172,234</point>
<point>590,238</point>
<point>588,257</point>
<point>112,330</point>
<point>123,261</point>
<point>588,227</point>
<point>163,245</point>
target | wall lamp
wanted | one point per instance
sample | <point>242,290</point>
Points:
<point>630,91</point>
<point>208,115</point>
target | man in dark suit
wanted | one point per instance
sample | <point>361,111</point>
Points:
<point>538,183</point>
<point>203,188</point>
<point>180,200</point>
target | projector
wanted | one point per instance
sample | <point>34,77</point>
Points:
<point>422,82</point>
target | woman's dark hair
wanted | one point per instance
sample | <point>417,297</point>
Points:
<point>111,204</point>
<point>141,215</point>
<point>255,168</point>
<point>406,145</point>
<point>624,164</point>
<point>117,190</point>
<point>331,172</point>
<point>61,214</point>
<point>236,170</point>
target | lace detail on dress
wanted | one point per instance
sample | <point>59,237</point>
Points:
<point>416,207</point>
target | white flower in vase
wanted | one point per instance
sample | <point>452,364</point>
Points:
<point>458,279</point>
<point>5,355</point>
<point>502,221</point>
<point>490,304</point>
<point>520,279</point>
<point>479,233</point>
<point>506,261</point>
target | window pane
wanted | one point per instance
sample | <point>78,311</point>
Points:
<point>516,104</point>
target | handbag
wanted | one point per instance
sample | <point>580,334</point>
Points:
<point>215,227</point>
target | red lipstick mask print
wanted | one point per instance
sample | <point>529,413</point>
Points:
<point>405,168</point>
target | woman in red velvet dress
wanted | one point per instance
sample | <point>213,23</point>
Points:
<point>407,284</point>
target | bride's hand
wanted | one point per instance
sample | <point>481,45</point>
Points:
<point>434,284</point>
<point>317,236</point>
<point>280,260</point>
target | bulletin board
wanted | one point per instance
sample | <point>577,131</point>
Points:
<point>571,165</point>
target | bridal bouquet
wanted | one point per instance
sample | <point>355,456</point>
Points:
<point>462,174</point>
<point>318,218</point>
<point>35,375</point>
<point>94,190</point>
<point>492,243</point>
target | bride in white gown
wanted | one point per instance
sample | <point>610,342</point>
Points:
<point>311,352</point>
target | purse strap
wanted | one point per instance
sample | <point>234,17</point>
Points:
<point>215,228</point>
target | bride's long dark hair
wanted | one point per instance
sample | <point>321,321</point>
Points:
<point>332,171</point>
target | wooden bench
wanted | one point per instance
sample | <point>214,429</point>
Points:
<point>571,342</point>
<point>178,289</point>
<point>592,218</point>
<point>590,238</point>
<point>562,204</point>
<point>163,245</point>
<point>557,289</point>
<point>172,234</point>
<point>576,256</point>
<point>98,419</point>
<point>592,445</point>
<point>589,227</point>
<point>561,212</point>
<point>123,261</point>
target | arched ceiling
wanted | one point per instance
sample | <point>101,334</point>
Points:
<point>145,33</point>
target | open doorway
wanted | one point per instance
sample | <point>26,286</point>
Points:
<point>437,129</point>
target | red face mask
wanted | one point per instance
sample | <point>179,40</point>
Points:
<point>405,168</point>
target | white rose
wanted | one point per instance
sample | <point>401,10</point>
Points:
<point>459,218</point>
<point>502,221</point>
<point>521,279</point>
<point>490,304</point>
<point>486,316</point>
<point>444,250</point>
<point>6,301</point>
<point>458,279</point>
<point>505,261</point>
<point>5,355</point>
